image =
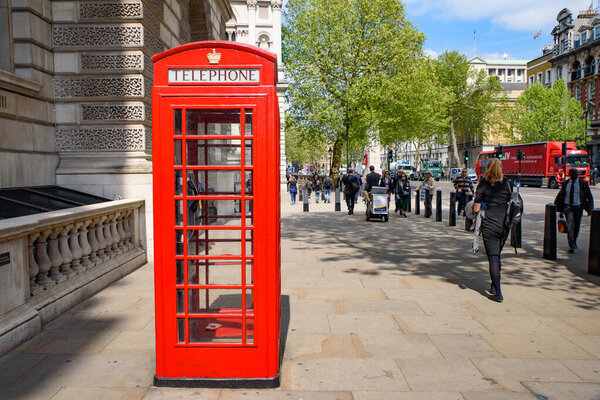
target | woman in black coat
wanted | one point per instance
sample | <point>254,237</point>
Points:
<point>493,196</point>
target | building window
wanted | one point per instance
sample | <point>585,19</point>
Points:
<point>597,32</point>
<point>548,76</point>
<point>559,72</point>
<point>591,91</point>
<point>519,72</point>
<point>264,42</point>
<point>492,72</point>
<point>510,72</point>
<point>584,38</point>
<point>577,40</point>
<point>539,77</point>
<point>531,80</point>
<point>263,12</point>
<point>500,72</point>
<point>577,92</point>
<point>5,38</point>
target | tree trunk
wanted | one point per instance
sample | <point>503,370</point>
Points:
<point>417,155</point>
<point>336,158</point>
<point>454,145</point>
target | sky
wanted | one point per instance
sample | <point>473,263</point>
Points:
<point>502,27</point>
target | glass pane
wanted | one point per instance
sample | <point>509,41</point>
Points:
<point>214,212</point>
<point>249,213</point>
<point>180,301</point>
<point>248,153</point>
<point>215,272</point>
<point>179,272</point>
<point>180,330</point>
<point>179,242</point>
<point>178,183</point>
<point>179,212</point>
<point>249,242</point>
<point>250,330</point>
<point>218,182</point>
<point>177,152</point>
<point>249,300</point>
<point>213,152</point>
<point>249,273</point>
<point>213,122</point>
<point>177,122</point>
<point>214,242</point>
<point>248,124</point>
<point>215,330</point>
<point>217,301</point>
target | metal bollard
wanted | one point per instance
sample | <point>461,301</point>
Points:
<point>550,232</point>
<point>409,208</point>
<point>338,206</point>
<point>452,216</point>
<point>427,203</point>
<point>468,222</point>
<point>300,191</point>
<point>594,252</point>
<point>438,205</point>
<point>515,236</point>
<point>418,203</point>
<point>305,200</point>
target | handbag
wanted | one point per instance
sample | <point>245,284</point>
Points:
<point>562,225</point>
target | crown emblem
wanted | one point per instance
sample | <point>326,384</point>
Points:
<point>214,57</point>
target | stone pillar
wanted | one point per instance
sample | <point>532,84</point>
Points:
<point>276,6</point>
<point>251,22</point>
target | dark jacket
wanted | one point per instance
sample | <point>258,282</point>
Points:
<point>389,184</point>
<point>401,188</point>
<point>346,180</point>
<point>585,196</point>
<point>373,179</point>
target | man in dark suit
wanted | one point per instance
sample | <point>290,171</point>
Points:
<point>373,179</point>
<point>574,197</point>
<point>351,185</point>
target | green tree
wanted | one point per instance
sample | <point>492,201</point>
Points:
<point>300,146</point>
<point>473,98</point>
<point>341,56</point>
<point>545,114</point>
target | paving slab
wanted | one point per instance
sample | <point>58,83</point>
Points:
<point>285,394</point>
<point>503,324</point>
<point>590,344</point>
<point>498,396</point>
<point>400,346</point>
<point>14,365</point>
<point>565,391</point>
<point>100,393</point>
<point>509,373</point>
<point>436,324</point>
<point>587,370</point>
<point>463,346</point>
<point>161,393</point>
<point>33,393</point>
<point>385,307</point>
<point>364,395</point>
<point>443,375</point>
<point>363,324</point>
<point>536,346</point>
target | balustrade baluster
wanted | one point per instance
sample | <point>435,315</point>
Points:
<point>101,241</point>
<point>108,238</point>
<point>122,235</point>
<point>34,269</point>
<point>85,245</point>
<point>43,261</point>
<point>55,257</point>
<point>65,252</point>
<point>93,241</point>
<point>127,226</point>
<point>75,248</point>
<point>115,234</point>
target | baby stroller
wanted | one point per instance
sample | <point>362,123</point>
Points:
<point>377,204</point>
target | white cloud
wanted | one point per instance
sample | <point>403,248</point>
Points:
<point>431,53</point>
<point>528,15</point>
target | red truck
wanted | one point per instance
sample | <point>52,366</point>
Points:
<point>542,164</point>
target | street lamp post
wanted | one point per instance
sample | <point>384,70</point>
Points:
<point>330,160</point>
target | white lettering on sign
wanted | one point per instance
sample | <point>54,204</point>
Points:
<point>213,75</point>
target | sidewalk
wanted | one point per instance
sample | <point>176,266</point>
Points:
<point>376,311</point>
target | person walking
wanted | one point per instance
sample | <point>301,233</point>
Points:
<point>318,190</point>
<point>574,197</point>
<point>351,186</point>
<point>309,188</point>
<point>293,186</point>
<point>373,179</point>
<point>595,174</point>
<point>463,186</point>
<point>327,186</point>
<point>493,195</point>
<point>386,182</point>
<point>403,194</point>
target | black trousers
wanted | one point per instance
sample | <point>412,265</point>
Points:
<point>462,201</point>
<point>350,201</point>
<point>573,215</point>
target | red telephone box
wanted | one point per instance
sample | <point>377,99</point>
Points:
<point>215,120</point>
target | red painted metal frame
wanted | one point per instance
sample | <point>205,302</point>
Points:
<point>260,359</point>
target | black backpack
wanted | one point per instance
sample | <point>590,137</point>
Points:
<point>355,184</point>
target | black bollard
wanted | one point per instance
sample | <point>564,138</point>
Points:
<point>550,232</point>
<point>452,216</point>
<point>515,236</point>
<point>427,203</point>
<point>305,200</point>
<point>300,191</point>
<point>418,203</point>
<point>468,222</point>
<point>409,208</point>
<point>338,206</point>
<point>438,206</point>
<point>594,252</point>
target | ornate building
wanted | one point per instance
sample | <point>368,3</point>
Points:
<point>258,22</point>
<point>575,60</point>
<point>75,89</point>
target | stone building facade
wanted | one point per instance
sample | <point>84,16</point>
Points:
<point>575,60</point>
<point>75,89</point>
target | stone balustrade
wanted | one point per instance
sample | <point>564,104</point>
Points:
<point>60,258</point>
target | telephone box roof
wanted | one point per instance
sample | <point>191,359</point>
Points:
<point>216,44</point>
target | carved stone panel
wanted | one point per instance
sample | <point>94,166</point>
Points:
<point>100,87</point>
<point>98,36</point>
<point>112,112</point>
<point>103,10</point>
<point>113,61</point>
<point>94,139</point>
